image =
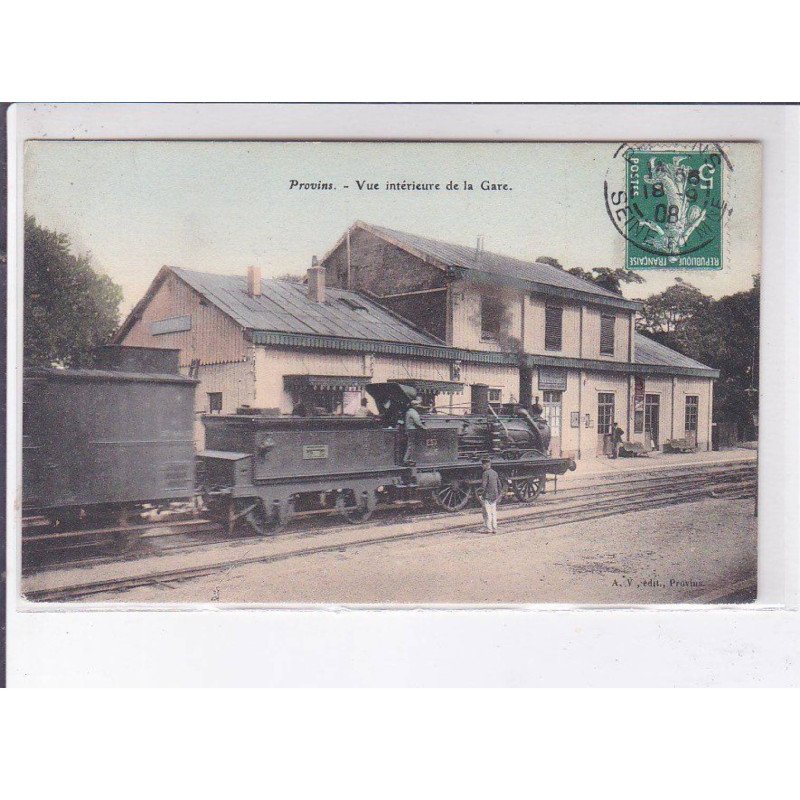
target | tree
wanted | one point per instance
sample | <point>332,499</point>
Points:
<point>69,308</point>
<point>607,278</point>
<point>722,333</point>
<point>553,262</point>
<point>664,316</point>
<point>291,277</point>
<point>726,336</point>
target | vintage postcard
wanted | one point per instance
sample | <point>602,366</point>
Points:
<point>385,373</point>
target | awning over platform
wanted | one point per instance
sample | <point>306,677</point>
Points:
<point>323,382</point>
<point>440,387</point>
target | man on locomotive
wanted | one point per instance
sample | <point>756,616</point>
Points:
<point>490,484</point>
<point>413,422</point>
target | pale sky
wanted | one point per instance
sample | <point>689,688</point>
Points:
<point>222,206</point>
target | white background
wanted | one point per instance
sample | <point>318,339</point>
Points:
<point>212,646</point>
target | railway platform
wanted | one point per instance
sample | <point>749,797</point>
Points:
<point>596,468</point>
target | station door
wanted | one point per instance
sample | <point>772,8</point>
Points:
<point>551,407</point>
<point>651,420</point>
<point>605,419</point>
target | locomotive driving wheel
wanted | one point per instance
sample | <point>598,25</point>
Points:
<point>528,487</point>
<point>354,507</point>
<point>452,496</point>
<point>249,515</point>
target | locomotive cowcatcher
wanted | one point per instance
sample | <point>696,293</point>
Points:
<point>258,470</point>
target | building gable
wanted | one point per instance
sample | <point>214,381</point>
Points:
<point>406,284</point>
<point>378,266</point>
<point>173,315</point>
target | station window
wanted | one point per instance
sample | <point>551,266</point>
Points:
<point>692,408</point>
<point>553,322</point>
<point>605,411</point>
<point>607,334</point>
<point>215,402</point>
<point>491,317</point>
<point>495,397</point>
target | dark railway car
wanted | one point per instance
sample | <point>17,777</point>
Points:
<point>258,470</point>
<point>97,442</point>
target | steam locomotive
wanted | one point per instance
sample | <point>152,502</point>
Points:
<point>258,470</point>
<point>104,443</point>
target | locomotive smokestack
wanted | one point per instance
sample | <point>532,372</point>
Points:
<point>254,281</point>
<point>316,282</point>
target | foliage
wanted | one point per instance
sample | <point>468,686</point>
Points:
<point>291,277</point>
<point>607,278</point>
<point>665,315</point>
<point>69,308</point>
<point>722,333</point>
<point>553,262</point>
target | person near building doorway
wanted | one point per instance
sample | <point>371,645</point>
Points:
<point>616,439</point>
<point>490,484</point>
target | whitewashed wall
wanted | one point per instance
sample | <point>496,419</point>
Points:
<point>235,381</point>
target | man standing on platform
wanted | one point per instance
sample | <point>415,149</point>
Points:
<point>490,485</point>
<point>616,439</point>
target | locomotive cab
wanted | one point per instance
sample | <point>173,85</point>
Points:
<point>392,400</point>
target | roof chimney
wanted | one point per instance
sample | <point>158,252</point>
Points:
<point>316,282</point>
<point>479,248</point>
<point>254,281</point>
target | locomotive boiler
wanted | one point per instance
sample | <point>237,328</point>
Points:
<point>258,470</point>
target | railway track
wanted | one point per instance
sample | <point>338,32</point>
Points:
<point>86,547</point>
<point>575,504</point>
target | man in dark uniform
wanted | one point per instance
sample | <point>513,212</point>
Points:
<point>616,439</point>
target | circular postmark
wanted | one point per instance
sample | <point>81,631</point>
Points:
<point>668,202</point>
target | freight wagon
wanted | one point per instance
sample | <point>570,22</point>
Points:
<point>98,443</point>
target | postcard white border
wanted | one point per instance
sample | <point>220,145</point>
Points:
<point>525,645</point>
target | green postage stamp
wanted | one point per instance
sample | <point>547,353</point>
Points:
<point>676,208</point>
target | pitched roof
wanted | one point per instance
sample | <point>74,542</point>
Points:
<point>455,255</point>
<point>648,351</point>
<point>285,307</point>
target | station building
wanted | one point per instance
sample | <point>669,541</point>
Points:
<point>387,305</point>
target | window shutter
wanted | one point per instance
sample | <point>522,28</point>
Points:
<point>552,327</point>
<point>607,335</point>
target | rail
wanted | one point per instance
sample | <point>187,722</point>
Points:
<point>576,504</point>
